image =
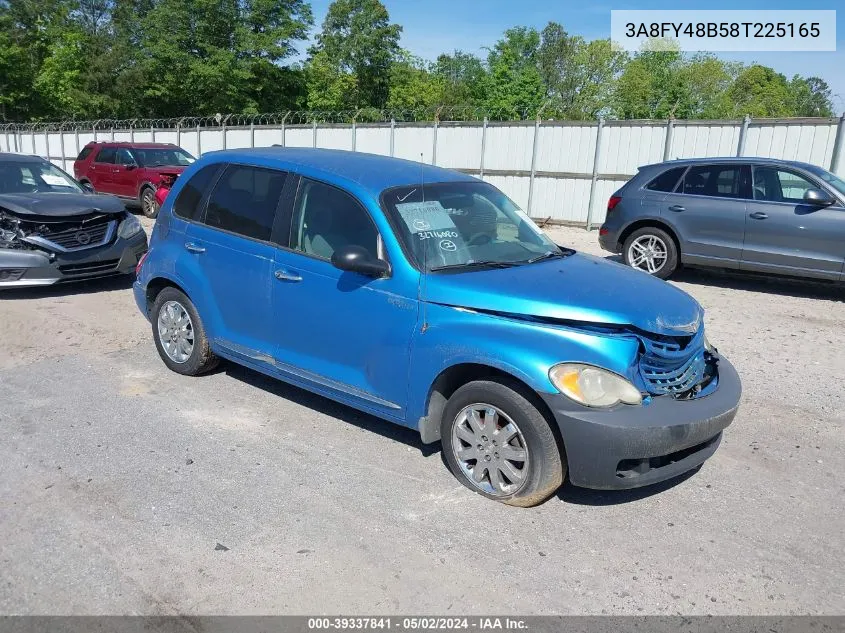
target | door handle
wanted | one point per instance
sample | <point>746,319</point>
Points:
<point>194,248</point>
<point>284,275</point>
<point>758,215</point>
<point>677,207</point>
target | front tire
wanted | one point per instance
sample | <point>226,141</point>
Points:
<point>179,334</point>
<point>651,250</point>
<point>498,444</point>
<point>149,206</point>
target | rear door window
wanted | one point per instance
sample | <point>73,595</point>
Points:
<point>717,181</point>
<point>187,204</point>
<point>106,155</point>
<point>244,201</point>
<point>667,180</point>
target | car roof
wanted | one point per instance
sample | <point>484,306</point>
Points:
<point>130,145</point>
<point>8,157</point>
<point>372,172</point>
<point>757,160</point>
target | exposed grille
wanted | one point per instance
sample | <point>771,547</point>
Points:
<point>90,268</point>
<point>79,238</point>
<point>672,366</point>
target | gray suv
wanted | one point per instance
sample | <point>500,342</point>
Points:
<point>747,214</point>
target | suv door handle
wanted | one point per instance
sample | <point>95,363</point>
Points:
<point>677,207</point>
<point>194,248</point>
<point>284,275</point>
<point>758,215</point>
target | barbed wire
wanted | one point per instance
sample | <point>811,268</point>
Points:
<point>289,117</point>
<point>361,116</point>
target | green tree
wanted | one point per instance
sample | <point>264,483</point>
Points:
<point>358,39</point>
<point>413,86</point>
<point>759,91</point>
<point>811,96</point>
<point>514,87</point>
<point>579,76</point>
<point>464,76</point>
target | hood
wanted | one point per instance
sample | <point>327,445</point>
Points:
<point>167,169</point>
<point>59,204</point>
<point>578,288</point>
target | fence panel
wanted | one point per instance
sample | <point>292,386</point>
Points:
<point>373,140</point>
<point>459,147</point>
<point>810,143</point>
<point>703,141</point>
<point>552,176</point>
<point>509,147</point>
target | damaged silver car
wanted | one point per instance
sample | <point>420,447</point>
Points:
<point>52,230</point>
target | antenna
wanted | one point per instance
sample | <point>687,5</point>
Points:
<point>422,291</point>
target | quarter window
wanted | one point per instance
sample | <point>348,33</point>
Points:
<point>718,181</point>
<point>244,201</point>
<point>667,180</point>
<point>777,185</point>
<point>326,219</point>
<point>187,204</point>
<point>85,153</point>
<point>106,155</point>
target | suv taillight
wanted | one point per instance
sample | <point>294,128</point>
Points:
<point>611,204</point>
<point>141,263</point>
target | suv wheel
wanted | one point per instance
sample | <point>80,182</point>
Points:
<point>651,250</point>
<point>148,202</point>
<point>497,443</point>
<point>179,334</point>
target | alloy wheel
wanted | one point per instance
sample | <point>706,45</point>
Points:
<point>176,331</point>
<point>648,253</point>
<point>490,449</point>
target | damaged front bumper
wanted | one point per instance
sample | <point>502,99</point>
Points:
<point>632,446</point>
<point>21,268</point>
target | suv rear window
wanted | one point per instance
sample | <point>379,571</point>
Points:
<point>105,155</point>
<point>85,153</point>
<point>244,201</point>
<point>187,204</point>
<point>718,181</point>
<point>667,180</point>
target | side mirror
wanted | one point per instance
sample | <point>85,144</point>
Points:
<point>357,259</point>
<point>818,198</point>
<point>87,186</point>
<point>130,166</point>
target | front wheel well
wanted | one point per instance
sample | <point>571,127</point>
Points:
<point>653,223</point>
<point>454,377</point>
<point>154,288</point>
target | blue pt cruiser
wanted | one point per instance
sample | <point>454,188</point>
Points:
<point>426,297</point>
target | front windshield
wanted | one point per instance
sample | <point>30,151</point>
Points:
<point>458,225</point>
<point>834,181</point>
<point>34,176</point>
<point>163,157</point>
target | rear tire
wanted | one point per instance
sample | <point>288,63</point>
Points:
<point>149,206</point>
<point>498,444</point>
<point>179,334</point>
<point>651,250</point>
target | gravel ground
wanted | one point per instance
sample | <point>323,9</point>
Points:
<point>125,488</point>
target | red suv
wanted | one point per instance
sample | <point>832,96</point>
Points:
<point>131,171</point>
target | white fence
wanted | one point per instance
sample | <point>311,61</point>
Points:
<point>561,171</point>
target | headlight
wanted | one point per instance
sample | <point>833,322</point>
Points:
<point>592,386</point>
<point>129,227</point>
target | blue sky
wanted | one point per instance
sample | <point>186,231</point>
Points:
<point>435,26</point>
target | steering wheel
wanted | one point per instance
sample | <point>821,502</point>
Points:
<point>479,239</point>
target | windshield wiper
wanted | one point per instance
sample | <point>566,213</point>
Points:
<point>549,255</point>
<point>478,264</point>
